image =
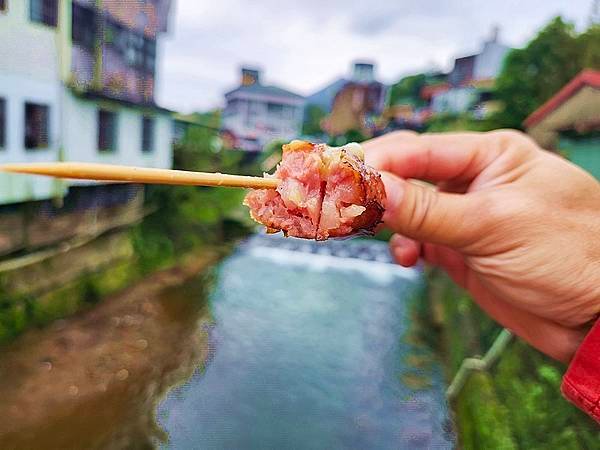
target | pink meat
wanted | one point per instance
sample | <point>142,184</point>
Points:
<point>324,193</point>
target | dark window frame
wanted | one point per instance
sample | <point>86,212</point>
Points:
<point>108,130</point>
<point>44,12</point>
<point>137,50</point>
<point>37,126</point>
<point>84,26</point>
<point>148,134</point>
<point>3,122</point>
<point>149,60</point>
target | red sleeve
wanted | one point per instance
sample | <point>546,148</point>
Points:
<point>581,383</point>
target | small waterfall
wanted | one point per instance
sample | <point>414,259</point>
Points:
<point>370,257</point>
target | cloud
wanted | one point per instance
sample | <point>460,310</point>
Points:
<point>304,45</point>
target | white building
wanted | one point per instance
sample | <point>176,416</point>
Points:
<point>256,114</point>
<point>454,100</point>
<point>471,78</point>
<point>68,95</point>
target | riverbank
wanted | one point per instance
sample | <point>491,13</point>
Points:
<point>516,404</point>
<point>92,380</point>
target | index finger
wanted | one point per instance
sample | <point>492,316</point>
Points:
<point>432,157</point>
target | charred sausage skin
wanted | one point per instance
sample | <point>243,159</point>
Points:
<point>325,192</point>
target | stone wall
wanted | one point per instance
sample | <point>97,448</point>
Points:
<point>31,226</point>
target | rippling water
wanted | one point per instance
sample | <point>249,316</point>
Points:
<point>297,346</point>
<point>310,351</point>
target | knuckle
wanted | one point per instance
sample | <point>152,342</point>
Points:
<point>509,139</point>
<point>507,134</point>
<point>404,133</point>
<point>421,209</point>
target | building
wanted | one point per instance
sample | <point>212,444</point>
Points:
<point>569,122</point>
<point>323,98</point>
<point>256,114</point>
<point>471,80</point>
<point>357,104</point>
<point>77,84</point>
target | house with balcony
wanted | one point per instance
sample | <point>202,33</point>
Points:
<point>256,113</point>
<point>358,104</point>
<point>471,80</point>
<point>77,82</point>
<point>352,103</point>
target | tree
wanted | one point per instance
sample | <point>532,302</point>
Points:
<point>589,43</point>
<point>531,75</point>
<point>312,124</point>
<point>408,90</point>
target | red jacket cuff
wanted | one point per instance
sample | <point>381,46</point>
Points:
<point>581,383</point>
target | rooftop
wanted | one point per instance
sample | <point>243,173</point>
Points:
<point>261,89</point>
<point>585,78</point>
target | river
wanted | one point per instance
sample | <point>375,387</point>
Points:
<point>292,345</point>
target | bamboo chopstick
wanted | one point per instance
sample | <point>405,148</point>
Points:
<point>109,172</point>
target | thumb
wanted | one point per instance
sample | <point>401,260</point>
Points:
<point>420,212</point>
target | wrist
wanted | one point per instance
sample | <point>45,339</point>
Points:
<point>575,341</point>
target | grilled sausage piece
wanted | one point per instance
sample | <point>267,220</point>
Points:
<point>325,192</point>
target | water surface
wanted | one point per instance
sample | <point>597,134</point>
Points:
<point>310,351</point>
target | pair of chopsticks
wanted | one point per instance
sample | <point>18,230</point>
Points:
<point>127,174</point>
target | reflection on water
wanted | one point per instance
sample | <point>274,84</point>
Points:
<point>303,348</point>
<point>92,381</point>
<point>310,352</point>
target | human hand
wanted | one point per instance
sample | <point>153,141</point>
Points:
<point>516,226</point>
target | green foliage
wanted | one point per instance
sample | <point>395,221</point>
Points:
<point>521,393</point>
<point>531,75</point>
<point>349,136</point>
<point>483,420</point>
<point>407,90</point>
<point>589,43</point>
<point>529,385</point>
<point>187,216</point>
<point>459,122</point>
<point>17,312</point>
<point>312,124</point>
<point>13,317</point>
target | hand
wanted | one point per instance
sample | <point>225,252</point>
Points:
<point>516,226</point>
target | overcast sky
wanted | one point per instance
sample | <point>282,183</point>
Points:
<point>303,45</point>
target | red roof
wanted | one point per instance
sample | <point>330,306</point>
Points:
<point>584,78</point>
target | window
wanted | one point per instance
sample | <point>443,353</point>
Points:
<point>2,123</point>
<point>107,131</point>
<point>44,11</point>
<point>36,126</point>
<point>137,50</point>
<point>83,26</point>
<point>147,134</point>
<point>134,54</point>
<point>149,55</point>
<point>234,107</point>
<point>255,110</point>
<point>116,36</point>
<point>280,111</point>
<point>275,109</point>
